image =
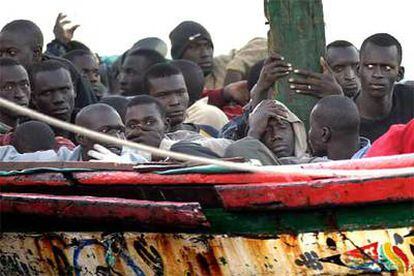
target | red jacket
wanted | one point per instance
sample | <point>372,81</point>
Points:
<point>399,139</point>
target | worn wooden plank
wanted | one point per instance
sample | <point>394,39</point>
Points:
<point>107,209</point>
<point>297,33</point>
<point>15,166</point>
<point>373,252</point>
<point>344,218</point>
<point>372,163</point>
<point>317,193</point>
<point>133,178</point>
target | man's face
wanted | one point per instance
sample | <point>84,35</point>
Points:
<point>315,137</point>
<point>89,67</point>
<point>145,125</point>
<point>172,93</point>
<point>53,94</point>
<point>200,51</point>
<point>279,138</point>
<point>344,63</point>
<point>14,86</point>
<point>131,77</point>
<point>14,46</point>
<point>378,70</point>
<point>109,123</point>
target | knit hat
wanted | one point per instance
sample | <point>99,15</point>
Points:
<point>183,34</point>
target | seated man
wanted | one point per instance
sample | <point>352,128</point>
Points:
<point>146,122</point>
<point>133,67</point>
<point>261,80</point>
<point>52,92</point>
<point>275,136</point>
<point>334,129</point>
<point>87,63</point>
<point>199,111</point>
<point>382,102</point>
<point>15,87</point>
<point>33,136</point>
<point>97,117</point>
<point>166,83</point>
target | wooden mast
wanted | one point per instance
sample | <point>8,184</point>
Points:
<point>297,33</point>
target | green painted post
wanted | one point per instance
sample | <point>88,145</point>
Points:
<point>297,33</point>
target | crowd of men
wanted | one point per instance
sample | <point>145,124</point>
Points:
<point>199,104</point>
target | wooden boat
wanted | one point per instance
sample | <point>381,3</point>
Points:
<point>334,218</point>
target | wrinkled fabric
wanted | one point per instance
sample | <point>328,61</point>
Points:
<point>252,149</point>
<point>201,113</point>
<point>217,145</point>
<point>215,79</point>
<point>254,51</point>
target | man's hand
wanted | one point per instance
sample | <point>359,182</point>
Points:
<point>259,119</point>
<point>274,69</point>
<point>61,34</point>
<point>237,92</point>
<point>102,154</point>
<point>316,84</point>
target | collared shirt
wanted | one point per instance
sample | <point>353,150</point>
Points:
<point>364,146</point>
<point>4,128</point>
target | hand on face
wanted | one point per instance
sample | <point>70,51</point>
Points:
<point>316,84</point>
<point>259,119</point>
<point>61,33</point>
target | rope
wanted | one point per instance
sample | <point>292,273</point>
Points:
<point>24,111</point>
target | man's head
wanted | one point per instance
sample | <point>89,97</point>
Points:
<point>278,128</point>
<point>21,40</point>
<point>146,120</point>
<point>193,76</point>
<point>166,83</point>
<point>87,63</point>
<point>101,118</point>
<point>343,58</point>
<point>14,85</point>
<point>119,103</point>
<point>52,89</point>
<point>279,137</point>
<point>191,41</point>
<point>332,120</point>
<point>379,68</point>
<point>33,136</point>
<point>152,43</point>
<point>133,68</point>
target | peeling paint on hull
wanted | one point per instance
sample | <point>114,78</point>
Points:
<point>133,253</point>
